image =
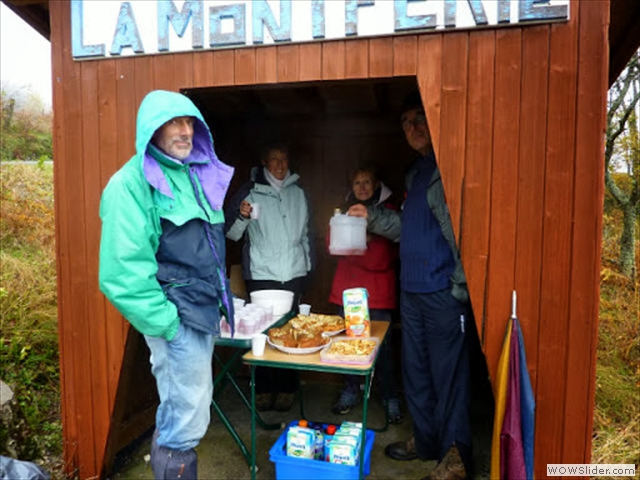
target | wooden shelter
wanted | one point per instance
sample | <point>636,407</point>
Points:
<point>517,117</point>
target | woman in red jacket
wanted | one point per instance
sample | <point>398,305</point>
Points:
<point>375,271</point>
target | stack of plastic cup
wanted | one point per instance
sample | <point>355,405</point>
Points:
<point>224,326</point>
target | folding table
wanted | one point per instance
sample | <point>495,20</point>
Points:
<point>226,374</point>
<point>312,362</point>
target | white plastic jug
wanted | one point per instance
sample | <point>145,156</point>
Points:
<point>348,235</point>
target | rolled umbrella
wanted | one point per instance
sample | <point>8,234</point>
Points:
<point>500,395</point>
<point>514,420</point>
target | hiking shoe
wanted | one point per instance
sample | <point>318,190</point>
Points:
<point>264,402</point>
<point>450,468</point>
<point>345,403</point>
<point>395,415</point>
<point>403,450</point>
<point>283,402</point>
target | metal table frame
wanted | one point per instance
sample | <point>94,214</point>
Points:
<point>311,362</point>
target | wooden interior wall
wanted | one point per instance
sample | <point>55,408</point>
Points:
<point>517,118</point>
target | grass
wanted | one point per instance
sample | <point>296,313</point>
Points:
<point>616,436</point>
<point>29,342</point>
<point>28,313</point>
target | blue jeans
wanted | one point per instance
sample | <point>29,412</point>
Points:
<point>435,371</point>
<point>183,372</point>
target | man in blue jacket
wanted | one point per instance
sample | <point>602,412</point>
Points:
<point>162,265</point>
<point>434,306</point>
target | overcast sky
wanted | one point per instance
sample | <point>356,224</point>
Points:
<point>25,56</point>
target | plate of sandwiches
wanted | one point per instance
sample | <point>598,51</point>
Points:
<point>305,333</point>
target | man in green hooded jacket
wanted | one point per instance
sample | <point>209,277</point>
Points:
<point>162,265</point>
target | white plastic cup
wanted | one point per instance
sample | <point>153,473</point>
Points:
<point>304,309</point>
<point>238,303</point>
<point>255,211</point>
<point>258,342</point>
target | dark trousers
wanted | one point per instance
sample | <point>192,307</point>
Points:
<point>435,370</point>
<point>277,380</point>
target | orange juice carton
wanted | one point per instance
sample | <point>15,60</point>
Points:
<point>356,312</point>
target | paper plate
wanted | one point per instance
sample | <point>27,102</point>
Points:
<point>332,334</point>
<point>298,351</point>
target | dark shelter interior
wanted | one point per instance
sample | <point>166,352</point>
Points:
<point>332,128</point>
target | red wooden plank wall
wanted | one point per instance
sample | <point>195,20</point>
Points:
<point>517,118</point>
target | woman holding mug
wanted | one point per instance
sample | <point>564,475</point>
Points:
<point>271,213</point>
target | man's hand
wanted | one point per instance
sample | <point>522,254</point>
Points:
<point>245,209</point>
<point>358,210</point>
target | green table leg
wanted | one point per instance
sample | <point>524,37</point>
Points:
<point>252,466</point>
<point>233,433</point>
<point>365,410</point>
<point>224,377</point>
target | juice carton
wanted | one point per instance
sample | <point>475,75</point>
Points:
<point>343,453</point>
<point>356,312</point>
<point>301,442</point>
<point>347,423</point>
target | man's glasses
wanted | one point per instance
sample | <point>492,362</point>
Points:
<point>419,120</point>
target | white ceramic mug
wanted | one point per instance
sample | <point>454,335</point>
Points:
<point>255,211</point>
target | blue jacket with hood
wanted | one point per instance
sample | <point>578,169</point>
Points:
<point>162,250</point>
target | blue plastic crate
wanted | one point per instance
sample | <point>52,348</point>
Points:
<point>293,468</point>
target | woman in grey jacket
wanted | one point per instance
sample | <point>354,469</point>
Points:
<point>271,214</point>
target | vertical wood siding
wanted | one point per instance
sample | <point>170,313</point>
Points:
<point>584,293</point>
<point>517,119</point>
<point>500,277</point>
<point>556,238</point>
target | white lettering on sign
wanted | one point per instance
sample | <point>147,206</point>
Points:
<point>108,28</point>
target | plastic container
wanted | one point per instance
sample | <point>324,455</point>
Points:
<point>329,431</point>
<point>359,351</point>
<point>348,235</point>
<point>319,445</point>
<point>292,468</point>
<point>280,300</point>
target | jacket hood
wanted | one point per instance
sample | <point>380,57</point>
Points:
<point>160,106</point>
<point>157,108</point>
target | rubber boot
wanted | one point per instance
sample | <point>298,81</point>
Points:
<point>170,464</point>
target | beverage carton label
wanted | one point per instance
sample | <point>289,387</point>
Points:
<point>347,439</point>
<point>350,431</point>
<point>343,453</point>
<point>301,442</point>
<point>351,424</point>
<point>319,445</point>
<point>356,312</point>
